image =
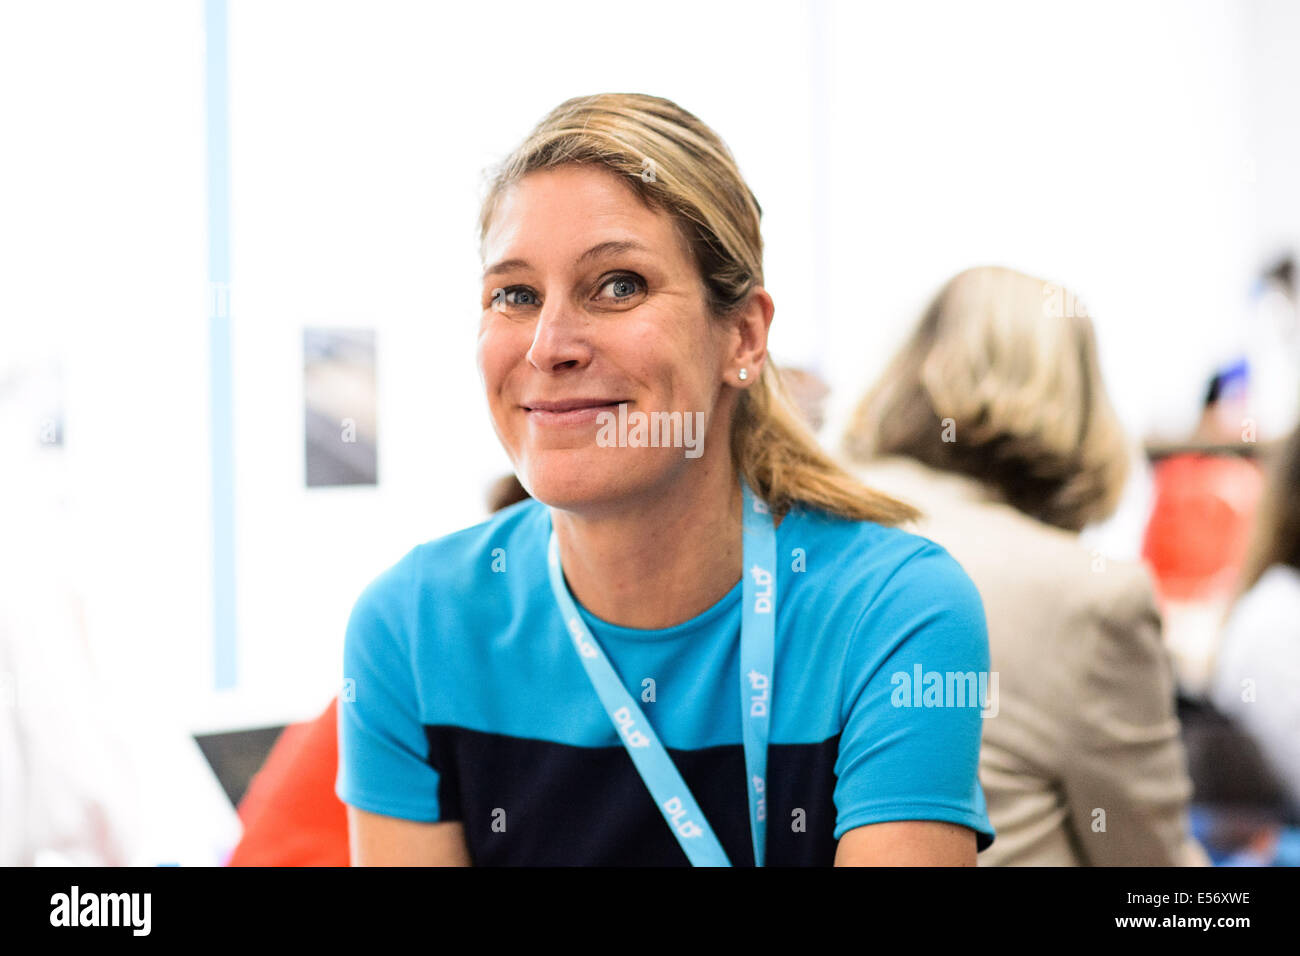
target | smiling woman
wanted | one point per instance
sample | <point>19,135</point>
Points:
<point>494,720</point>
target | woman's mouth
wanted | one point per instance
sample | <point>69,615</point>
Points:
<point>574,411</point>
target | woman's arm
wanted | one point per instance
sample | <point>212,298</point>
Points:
<point>383,750</point>
<point>915,677</point>
<point>376,840</point>
<point>907,843</point>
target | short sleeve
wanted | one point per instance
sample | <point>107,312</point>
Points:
<point>383,750</point>
<point>915,681</point>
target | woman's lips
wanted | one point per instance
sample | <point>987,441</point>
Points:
<point>570,413</point>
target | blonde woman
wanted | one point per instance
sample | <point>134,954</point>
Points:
<point>680,649</point>
<point>994,421</point>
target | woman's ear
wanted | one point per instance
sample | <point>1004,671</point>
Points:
<point>752,322</point>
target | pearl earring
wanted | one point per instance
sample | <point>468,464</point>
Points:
<point>742,374</point>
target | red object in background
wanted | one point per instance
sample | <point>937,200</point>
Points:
<point>1199,530</point>
<point>290,813</point>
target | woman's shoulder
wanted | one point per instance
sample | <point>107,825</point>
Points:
<point>510,525</point>
<point>461,560</point>
<point>867,545</point>
<point>883,565</point>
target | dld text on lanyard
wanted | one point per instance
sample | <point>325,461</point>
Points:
<point>757,650</point>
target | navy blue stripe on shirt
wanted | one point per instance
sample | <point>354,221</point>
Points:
<point>538,803</point>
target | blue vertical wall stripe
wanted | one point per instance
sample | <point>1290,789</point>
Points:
<point>219,357</point>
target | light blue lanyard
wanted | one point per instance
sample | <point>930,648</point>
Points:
<point>757,652</point>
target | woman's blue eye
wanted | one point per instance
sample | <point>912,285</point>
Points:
<point>623,286</point>
<point>512,297</point>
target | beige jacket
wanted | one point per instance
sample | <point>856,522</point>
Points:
<point>1081,760</point>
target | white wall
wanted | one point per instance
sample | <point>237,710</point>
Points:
<point>1272,59</point>
<point>1099,145</point>
<point>102,270</point>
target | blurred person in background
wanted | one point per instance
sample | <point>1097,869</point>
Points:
<point>993,420</point>
<point>1256,673</point>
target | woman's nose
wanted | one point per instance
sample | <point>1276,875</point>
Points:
<point>559,338</point>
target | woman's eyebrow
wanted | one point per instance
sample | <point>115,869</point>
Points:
<point>610,247</point>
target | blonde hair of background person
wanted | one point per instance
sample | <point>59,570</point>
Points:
<point>994,420</point>
<point>566,187</point>
<point>1007,364</point>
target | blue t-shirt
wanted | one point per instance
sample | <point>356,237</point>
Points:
<point>464,699</point>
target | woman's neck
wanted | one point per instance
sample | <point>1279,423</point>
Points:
<point>662,560</point>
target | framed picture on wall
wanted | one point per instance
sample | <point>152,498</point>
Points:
<point>339,407</point>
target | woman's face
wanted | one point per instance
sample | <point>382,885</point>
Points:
<point>591,301</point>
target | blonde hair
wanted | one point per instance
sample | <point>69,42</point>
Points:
<point>1000,381</point>
<point>678,165</point>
